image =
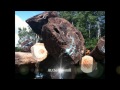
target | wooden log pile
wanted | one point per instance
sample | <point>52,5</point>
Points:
<point>62,42</point>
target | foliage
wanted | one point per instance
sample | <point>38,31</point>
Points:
<point>25,35</point>
<point>91,43</point>
<point>17,49</point>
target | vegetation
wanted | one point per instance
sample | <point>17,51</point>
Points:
<point>24,35</point>
<point>17,49</point>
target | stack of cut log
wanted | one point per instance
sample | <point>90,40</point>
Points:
<point>61,39</point>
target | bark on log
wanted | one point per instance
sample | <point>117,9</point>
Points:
<point>36,22</point>
<point>99,51</point>
<point>59,36</point>
<point>24,58</point>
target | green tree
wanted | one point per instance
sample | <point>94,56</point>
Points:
<point>17,49</point>
<point>26,35</point>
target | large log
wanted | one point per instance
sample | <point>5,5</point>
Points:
<point>62,40</point>
<point>60,37</point>
<point>98,53</point>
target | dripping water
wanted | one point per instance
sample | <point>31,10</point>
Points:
<point>71,49</point>
<point>61,58</point>
<point>38,75</point>
<point>103,49</point>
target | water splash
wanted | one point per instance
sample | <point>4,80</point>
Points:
<point>39,76</point>
<point>103,49</point>
<point>60,57</point>
<point>71,49</point>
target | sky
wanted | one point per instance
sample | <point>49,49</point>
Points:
<point>20,17</point>
<point>24,15</point>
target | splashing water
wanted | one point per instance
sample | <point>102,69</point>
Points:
<point>38,75</point>
<point>71,47</point>
<point>59,70</point>
<point>70,50</point>
<point>103,49</point>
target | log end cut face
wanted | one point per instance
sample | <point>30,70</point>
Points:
<point>39,52</point>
